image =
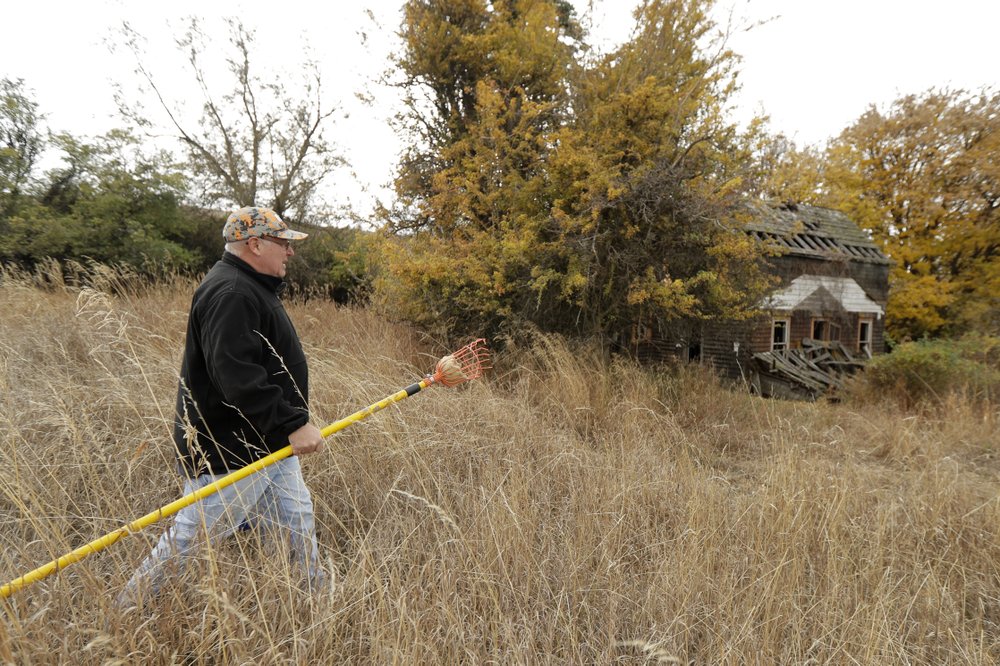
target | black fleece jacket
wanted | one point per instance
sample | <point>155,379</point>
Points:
<point>244,384</point>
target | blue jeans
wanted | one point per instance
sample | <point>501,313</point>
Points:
<point>275,497</point>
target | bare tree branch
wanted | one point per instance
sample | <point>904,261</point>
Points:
<point>252,145</point>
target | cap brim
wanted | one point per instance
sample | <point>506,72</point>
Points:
<point>289,234</point>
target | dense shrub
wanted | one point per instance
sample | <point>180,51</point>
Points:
<point>174,239</point>
<point>931,369</point>
<point>110,203</point>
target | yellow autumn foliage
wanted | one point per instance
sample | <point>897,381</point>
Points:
<point>548,187</point>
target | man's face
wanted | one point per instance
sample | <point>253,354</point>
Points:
<point>273,255</point>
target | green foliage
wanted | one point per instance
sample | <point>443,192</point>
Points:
<point>931,369</point>
<point>20,143</point>
<point>575,196</point>
<point>332,262</point>
<point>110,204</point>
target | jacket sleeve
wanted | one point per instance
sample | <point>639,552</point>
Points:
<point>235,359</point>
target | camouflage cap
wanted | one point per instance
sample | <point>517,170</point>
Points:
<point>258,221</point>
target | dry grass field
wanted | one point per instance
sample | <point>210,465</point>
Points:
<point>560,511</point>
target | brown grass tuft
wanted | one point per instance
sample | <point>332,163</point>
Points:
<point>565,509</point>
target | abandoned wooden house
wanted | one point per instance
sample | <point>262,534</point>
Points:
<point>834,286</point>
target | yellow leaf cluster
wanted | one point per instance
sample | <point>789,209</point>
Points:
<point>573,194</point>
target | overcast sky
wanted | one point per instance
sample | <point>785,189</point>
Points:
<point>813,65</point>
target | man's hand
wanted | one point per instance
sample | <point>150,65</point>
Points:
<point>306,439</point>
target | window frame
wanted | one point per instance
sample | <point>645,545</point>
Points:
<point>786,344</point>
<point>826,329</point>
<point>865,346</point>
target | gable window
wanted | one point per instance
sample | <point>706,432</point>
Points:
<point>779,334</point>
<point>865,337</point>
<point>820,330</point>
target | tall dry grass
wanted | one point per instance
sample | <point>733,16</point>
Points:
<point>561,511</point>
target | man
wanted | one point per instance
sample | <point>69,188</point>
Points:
<point>243,394</point>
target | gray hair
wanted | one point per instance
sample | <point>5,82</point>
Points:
<point>236,247</point>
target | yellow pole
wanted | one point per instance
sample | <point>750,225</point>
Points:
<point>175,506</point>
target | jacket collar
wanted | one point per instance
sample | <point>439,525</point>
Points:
<point>275,284</point>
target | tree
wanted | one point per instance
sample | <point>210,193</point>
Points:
<point>257,143</point>
<point>784,172</point>
<point>655,175</point>
<point>468,63</point>
<point>484,87</point>
<point>572,195</point>
<point>20,143</point>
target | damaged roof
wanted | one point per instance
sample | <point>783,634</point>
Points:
<point>812,231</point>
